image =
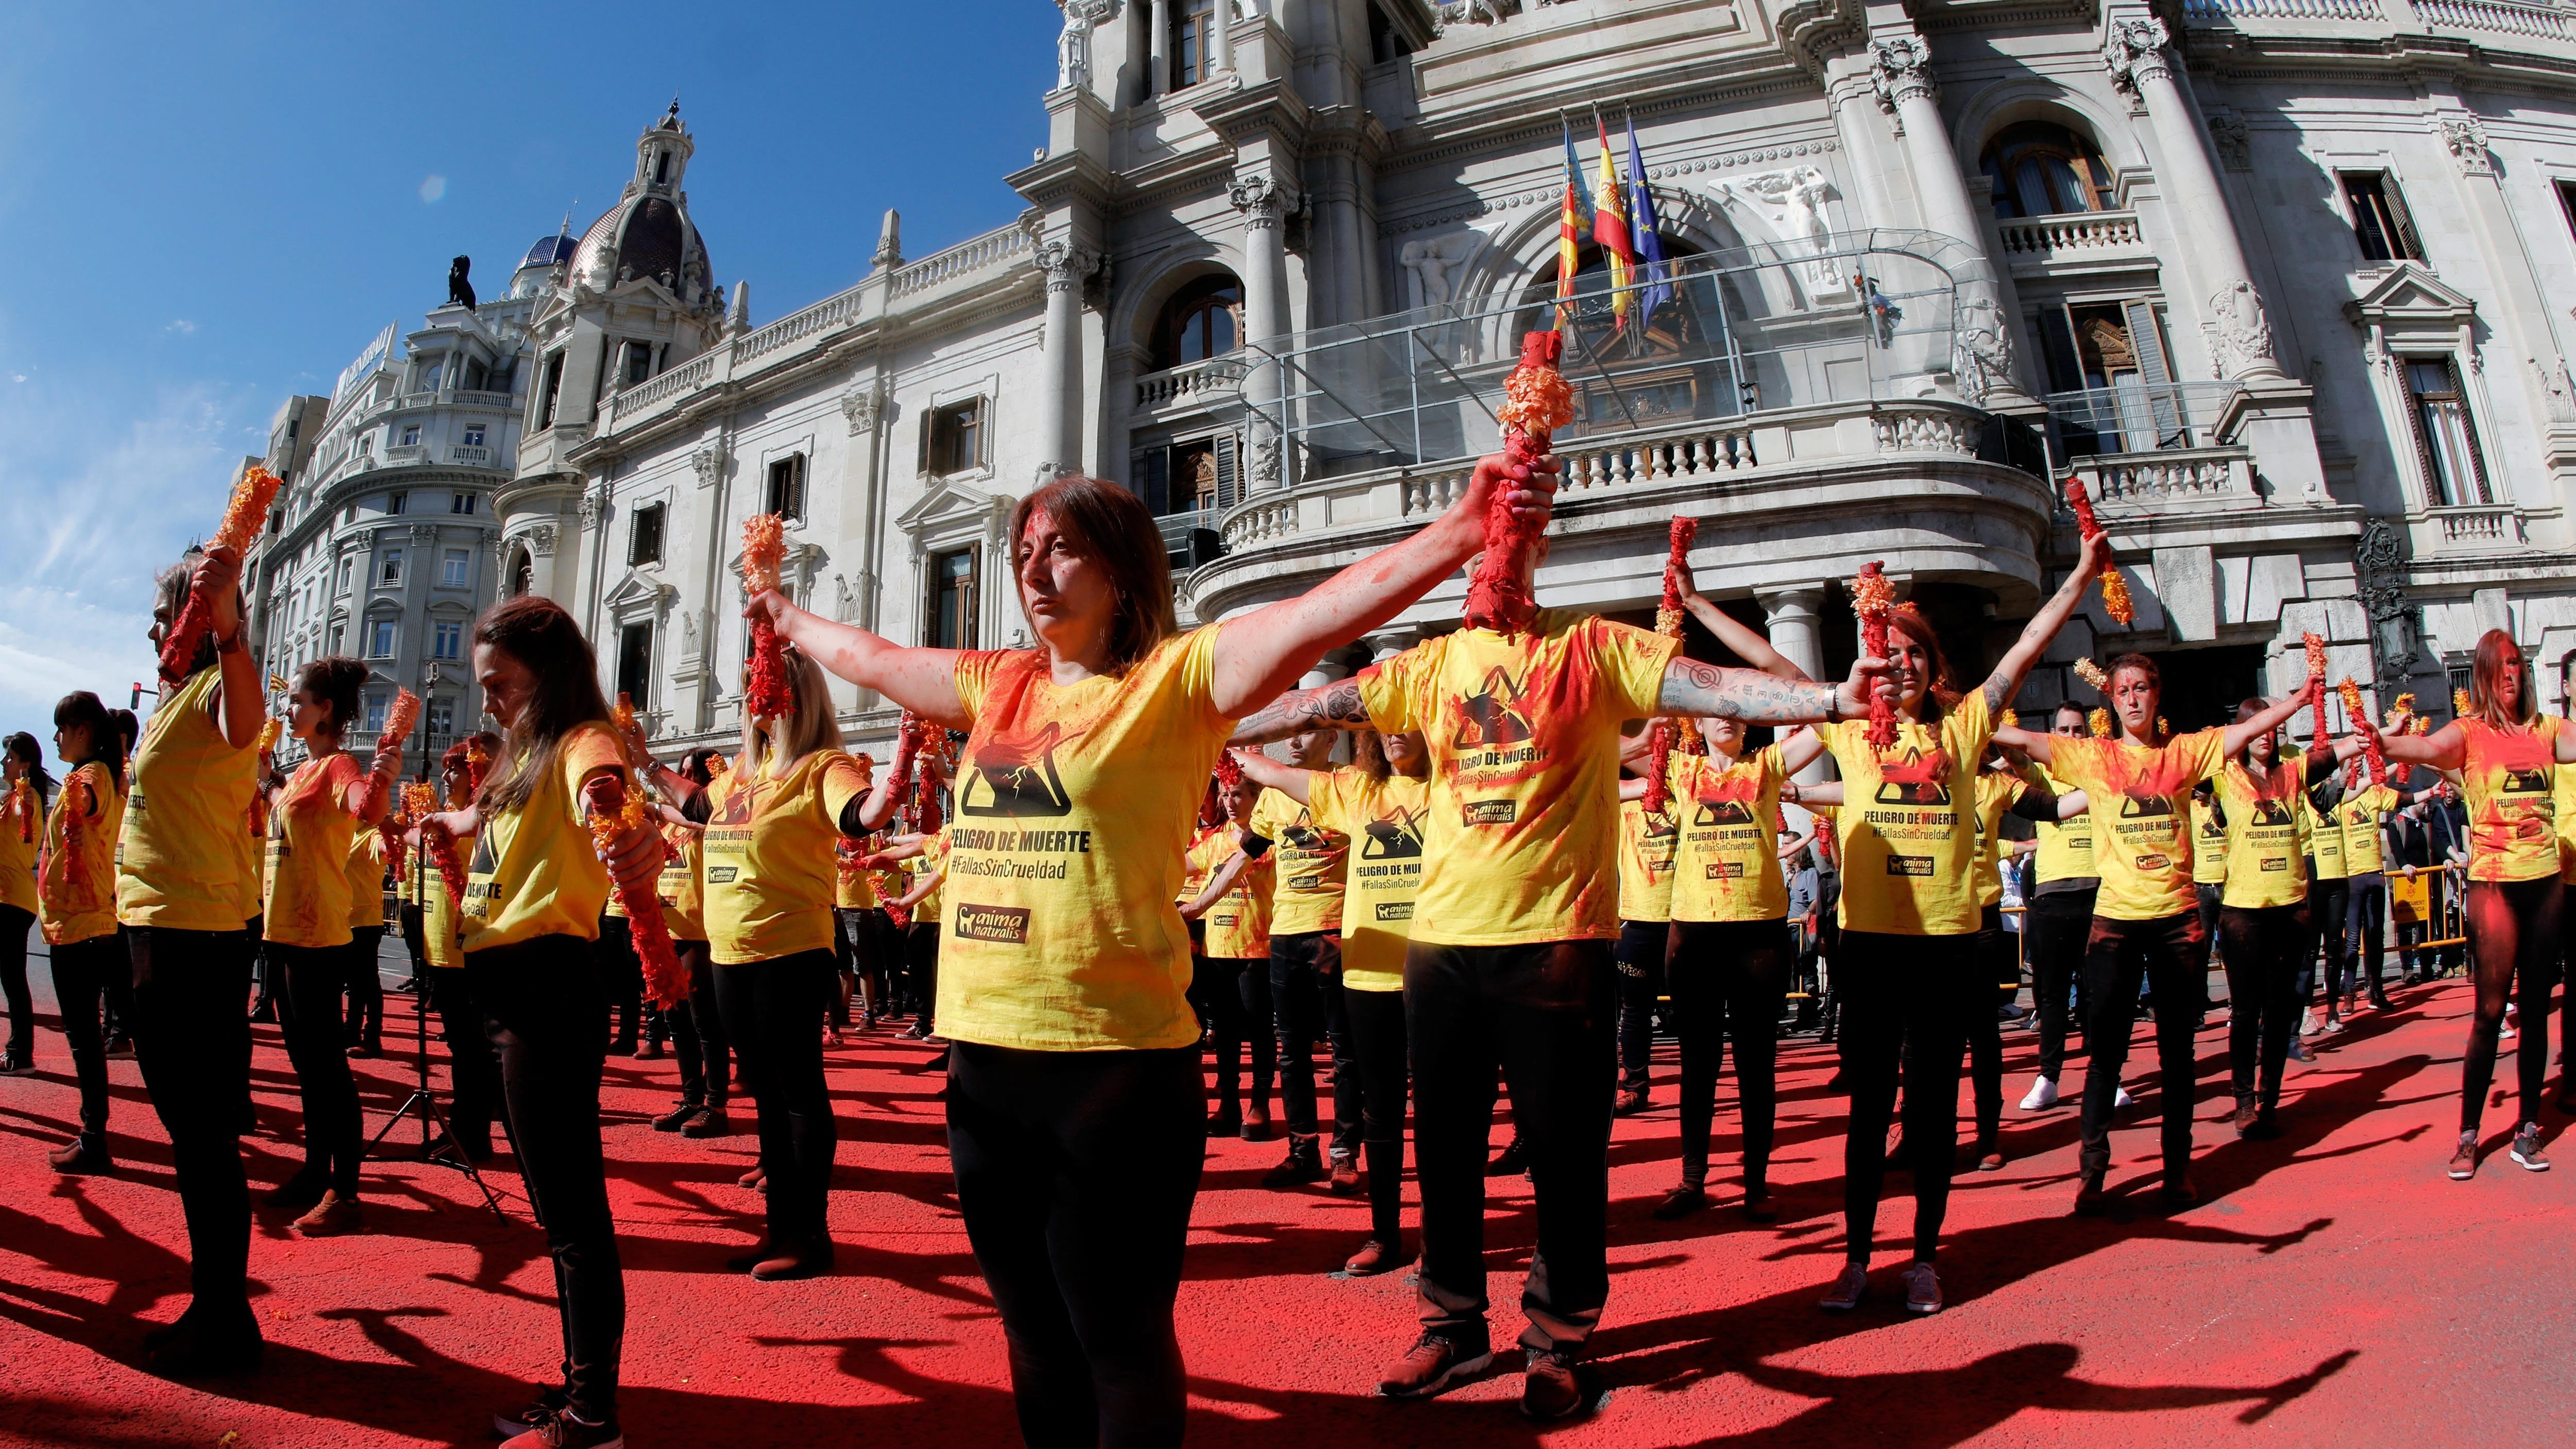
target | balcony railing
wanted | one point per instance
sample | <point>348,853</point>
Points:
<point>2483,525</point>
<point>2202,12</point>
<point>468,398</point>
<point>2501,16</point>
<point>2072,236</point>
<point>459,453</point>
<point>1177,527</point>
<point>2137,417</point>
<point>1189,382</point>
<point>2180,475</point>
<point>407,453</point>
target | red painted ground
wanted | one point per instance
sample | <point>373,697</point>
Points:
<point>2335,1290</point>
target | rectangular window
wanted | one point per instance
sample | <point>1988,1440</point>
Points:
<point>380,639</point>
<point>449,640</point>
<point>1193,42</point>
<point>389,569</point>
<point>429,377</point>
<point>460,503</point>
<point>348,567</point>
<point>474,436</point>
<point>411,435</point>
<point>644,535</point>
<point>394,501</point>
<point>552,390</point>
<point>2567,202</point>
<point>442,719</point>
<point>639,362</point>
<point>635,663</point>
<point>2111,384</point>
<point>2446,437</point>
<point>451,569</point>
<point>375,714</point>
<point>952,600</point>
<point>787,487</point>
<point>2379,220</point>
<point>954,441</point>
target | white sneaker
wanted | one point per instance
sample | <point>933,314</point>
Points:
<point>2122,1099</point>
<point>2043,1095</point>
<point>2307,1023</point>
<point>2506,1032</point>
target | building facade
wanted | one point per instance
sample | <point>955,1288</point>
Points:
<point>2282,283</point>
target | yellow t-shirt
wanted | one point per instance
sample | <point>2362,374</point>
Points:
<point>2140,800</point>
<point>1996,793</point>
<point>1385,818</point>
<point>1194,867</point>
<point>186,859</point>
<point>768,856</point>
<point>1523,734</point>
<point>76,889</point>
<point>366,878</point>
<point>933,861</point>
<point>2209,844</point>
<point>1074,804</point>
<point>854,889</point>
<point>534,871</point>
<point>306,902</point>
<point>1311,862</point>
<point>1908,853</point>
<point>2260,846</point>
<point>1647,843</point>
<point>1727,864</point>
<point>17,852</point>
<point>405,893</point>
<point>2359,816</point>
<point>1238,922</point>
<point>2325,841</point>
<point>438,941</point>
<point>683,898</point>
<point>2511,779</point>
<point>2065,846</point>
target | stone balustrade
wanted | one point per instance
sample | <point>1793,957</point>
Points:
<point>407,453</point>
<point>478,457</point>
<point>2071,235</point>
<point>2502,17</point>
<point>2172,476</point>
<point>2204,12</point>
<point>1191,383</point>
<point>2479,526</point>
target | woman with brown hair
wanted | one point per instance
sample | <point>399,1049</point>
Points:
<point>26,794</point>
<point>76,906</point>
<point>1075,1103</point>
<point>2508,756</point>
<point>536,884</point>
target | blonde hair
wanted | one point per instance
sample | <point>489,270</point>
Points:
<point>810,726</point>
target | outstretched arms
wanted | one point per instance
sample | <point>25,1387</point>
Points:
<point>2014,667</point>
<point>1693,688</point>
<point>1335,706</point>
<point>1750,647</point>
<point>1288,780</point>
<point>2274,715</point>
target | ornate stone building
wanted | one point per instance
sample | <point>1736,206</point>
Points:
<point>2281,281</point>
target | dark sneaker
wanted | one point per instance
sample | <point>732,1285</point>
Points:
<point>1549,1389</point>
<point>297,1195</point>
<point>81,1154</point>
<point>2464,1158</point>
<point>1513,1158</point>
<point>1429,1367</point>
<point>359,1049</point>
<point>810,1260</point>
<point>2090,1198</point>
<point>1922,1289</point>
<point>1225,1124</point>
<point>1374,1258</point>
<point>550,1402</point>
<point>678,1117</point>
<point>710,1122</point>
<point>1849,1287</point>
<point>745,1262</point>
<point>120,1049</point>
<point>1256,1120</point>
<point>202,1348</point>
<point>562,1430</point>
<point>1990,1157</point>
<point>2526,1148</point>
<point>2266,1126</point>
<point>1681,1202</point>
<point>1758,1206</point>
<point>2179,1191</point>
<point>1632,1100</point>
<point>1304,1164</point>
<point>756,1178</point>
<point>332,1217</point>
<point>1345,1176</point>
<point>20,1064</point>
<point>2244,1116</point>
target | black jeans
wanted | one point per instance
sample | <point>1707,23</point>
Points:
<point>2513,951</point>
<point>1547,1013</point>
<point>2211,898</point>
<point>1076,1172</point>
<point>1640,958</point>
<point>2261,945</point>
<point>1906,1004</point>
<point>192,1040</point>
<point>621,981</point>
<point>2167,952</point>
<point>2326,913</point>
<point>81,973</point>
<point>773,1013</point>
<point>414,943</point>
<point>698,1032</point>
<point>1377,1041</point>
<point>15,922</point>
<point>1729,980</point>
<point>1985,1027</point>
<point>542,1009</point>
<point>1217,992</point>
<point>2365,932</point>
<point>309,982</point>
<point>2058,923</point>
<point>366,988</point>
<point>1306,1002</point>
<point>473,1068</point>
<point>921,962</point>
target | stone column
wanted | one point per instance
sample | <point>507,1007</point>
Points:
<point>1158,50</point>
<point>1791,617</point>
<point>2239,336</point>
<point>1264,200</point>
<point>1060,399</point>
<point>1223,20</point>
<point>1900,71</point>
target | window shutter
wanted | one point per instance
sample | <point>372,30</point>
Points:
<point>2405,243</point>
<point>1229,488</point>
<point>927,416</point>
<point>2469,430</point>
<point>2057,348</point>
<point>1153,475</point>
<point>2146,339</point>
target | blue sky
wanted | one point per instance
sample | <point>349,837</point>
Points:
<point>205,209</point>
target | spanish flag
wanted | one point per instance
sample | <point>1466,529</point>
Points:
<point>1573,220</point>
<point>1610,230</point>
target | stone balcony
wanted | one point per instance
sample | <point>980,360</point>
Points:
<point>1191,386</point>
<point>2545,27</point>
<point>2074,242</point>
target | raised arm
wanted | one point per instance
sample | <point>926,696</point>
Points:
<point>2014,667</point>
<point>1749,646</point>
<point>1800,750</point>
<point>1335,706</point>
<point>2028,742</point>
<point>921,680</point>
<point>1749,695</point>
<point>1288,780</point>
<point>2274,715</point>
<point>2445,749</point>
<point>1828,793</point>
<point>1220,880</point>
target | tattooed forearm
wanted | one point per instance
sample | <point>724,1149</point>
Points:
<point>1333,707</point>
<point>1693,688</point>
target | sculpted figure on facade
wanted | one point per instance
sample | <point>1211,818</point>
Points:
<point>1793,203</point>
<point>2135,52</point>
<point>708,463</point>
<point>866,406</point>
<point>1981,350</point>
<point>2240,338</point>
<point>2234,140</point>
<point>2466,136</point>
<point>1434,262</point>
<point>1073,45</point>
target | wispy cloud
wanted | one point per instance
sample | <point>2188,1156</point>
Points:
<point>180,325</point>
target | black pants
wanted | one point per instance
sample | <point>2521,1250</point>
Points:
<point>1260,1029</point>
<point>1729,979</point>
<point>2058,923</point>
<point>473,1067</point>
<point>1547,1014</point>
<point>698,1031</point>
<point>1306,1002</point>
<point>2325,926</point>
<point>773,1014</point>
<point>2167,953</point>
<point>2513,951</point>
<point>1985,1025</point>
<point>2365,932</point>
<point>1640,959</point>
<point>921,962</point>
<point>1906,1004</point>
<point>542,1009</point>
<point>414,943</point>
<point>1217,992</point>
<point>82,971</point>
<point>2261,945</point>
<point>310,980</point>
<point>2211,898</point>
<point>366,988</point>
<point>1377,1041</point>
<point>192,1040</point>
<point>120,998</point>
<point>1076,1172</point>
<point>621,981</point>
<point>15,922</point>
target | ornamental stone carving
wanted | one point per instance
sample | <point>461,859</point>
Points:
<point>540,540</point>
<point>2467,138</point>
<point>424,533</point>
<point>2234,140</point>
<point>866,407</point>
<point>1900,70</point>
<point>1073,44</point>
<point>594,507</point>
<point>709,462</point>
<point>1981,350</point>
<point>1263,200</point>
<point>2240,337</point>
<point>2135,52</point>
<point>1065,264</point>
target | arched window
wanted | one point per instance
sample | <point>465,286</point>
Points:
<point>2042,169</point>
<point>523,574</point>
<point>1684,315</point>
<point>1203,320</point>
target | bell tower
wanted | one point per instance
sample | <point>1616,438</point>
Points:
<point>662,156</point>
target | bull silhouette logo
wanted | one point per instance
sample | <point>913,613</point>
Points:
<point>737,805</point>
<point>2520,781</point>
<point>1663,826</point>
<point>1016,780</point>
<point>2268,811</point>
<point>1493,718</point>
<point>1918,779</point>
<point>1721,812</point>
<point>1397,837</point>
<point>1304,836</point>
<point>2141,807</point>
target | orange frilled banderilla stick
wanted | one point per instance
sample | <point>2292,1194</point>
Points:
<point>2115,589</point>
<point>764,546</point>
<point>1668,622</point>
<point>2360,716</point>
<point>244,514</point>
<point>1872,598</point>
<point>613,810</point>
<point>1536,402</point>
<point>2316,692</point>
